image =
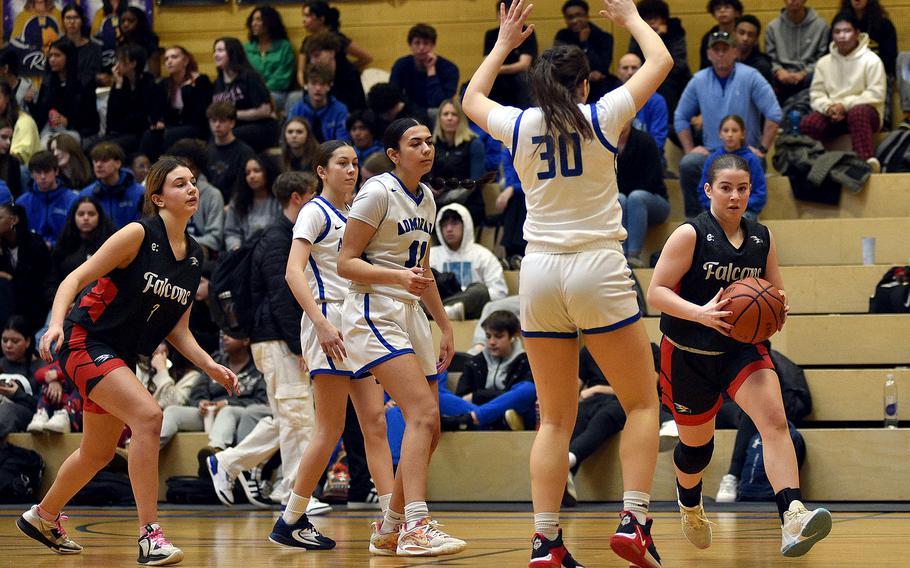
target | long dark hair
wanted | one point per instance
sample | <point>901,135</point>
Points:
<point>391,138</point>
<point>321,9</point>
<point>21,228</point>
<point>310,147</point>
<point>154,182</point>
<point>555,76</point>
<point>84,27</point>
<point>19,324</point>
<point>71,238</point>
<point>243,193</point>
<point>874,12</point>
<point>68,49</point>
<point>271,19</point>
<point>142,32</point>
<point>326,149</point>
<point>237,59</point>
<point>12,105</point>
<point>79,172</point>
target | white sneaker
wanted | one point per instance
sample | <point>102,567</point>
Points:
<point>155,549</point>
<point>727,492</point>
<point>875,165</point>
<point>39,421</point>
<point>223,482</point>
<point>669,435</point>
<point>802,528</point>
<point>695,525</point>
<point>59,422</point>
<point>424,538</point>
<point>315,507</point>
<point>49,533</point>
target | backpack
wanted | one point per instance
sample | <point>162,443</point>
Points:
<point>107,488</point>
<point>190,490</point>
<point>753,481</point>
<point>20,474</point>
<point>230,290</point>
<point>892,293</point>
<point>894,152</point>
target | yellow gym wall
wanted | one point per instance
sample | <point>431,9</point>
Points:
<point>381,26</point>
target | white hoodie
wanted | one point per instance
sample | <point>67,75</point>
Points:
<point>471,262</point>
<point>857,78</point>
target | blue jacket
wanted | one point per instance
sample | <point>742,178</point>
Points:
<point>47,211</point>
<point>364,154</point>
<point>654,119</point>
<point>122,202</point>
<point>745,93</point>
<point>422,90</point>
<point>332,117</point>
<point>492,148</point>
<point>758,196</point>
<point>5,195</point>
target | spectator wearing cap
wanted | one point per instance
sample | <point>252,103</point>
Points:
<point>747,34</point>
<point>727,87</point>
<point>425,77</point>
<point>726,12</point>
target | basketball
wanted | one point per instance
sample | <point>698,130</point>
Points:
<point>758,309</point>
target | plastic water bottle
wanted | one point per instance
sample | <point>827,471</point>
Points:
<point>890,402</point>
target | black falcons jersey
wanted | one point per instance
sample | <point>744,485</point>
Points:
<point>134,308</point>
<point>715,264</point>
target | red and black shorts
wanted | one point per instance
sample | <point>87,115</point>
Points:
<point>85,361</point>
<point>692,383</point>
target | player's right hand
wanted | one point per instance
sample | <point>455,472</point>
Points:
<point>331,341</point>
<point>512,30</point>
<point>619,11</point>
<point>414,281</point>
<point>50,342</point>
<point>712,315</point>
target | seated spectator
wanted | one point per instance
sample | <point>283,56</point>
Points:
<point>89,53</point>
<point>476,269</point>
<point>132,108</point>
<point>657,14</point>
<point>135,28</point>
<point>23,274</point>
<point>511,85</point>
<point>795,40</point>
<point>10,168</point>
<point>23,87</point>
<point>325,114</point>
<point>157,374</point>
<point>459,156</point>
<point>115,187</point>
<point>327,49</point>
<point>733,136</point>
<point>207,223</point>
<point>507,304</point>
<point>227,155</point>
<point>748,32</point>
<point>18,387</point>
<point>59,407</point>
<point>725,88</point>
<point>75,171</point>
<point>425,77</point>
<point>240,84</point>
<point>85,230</point>
<point>496,385</point>
<point>596,43</point>
<point>319,17</point>
<point>5,195</point>
<point>726,12</point>
<point>642,193</point>
<point>182,98</point>
<point>105,32</point>
<point>232,416</point>
<point>253,206</point>
<point>298,146</point>
<point>375,164</point>
<point>140,164</point>
<point>269,51</point>
<point>388,103</point>
<point>848,91</point>
<point>511,204</point>
<point>46,201</point>
<point>874,21</point>
<point>63,103</point>
<point>361,127</point>
<point>652,117</point>
<point>25,140</point>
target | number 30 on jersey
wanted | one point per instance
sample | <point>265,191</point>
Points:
<point>567,168</point>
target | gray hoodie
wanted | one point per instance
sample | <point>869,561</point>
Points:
<point>796,47</point>
<point>207,224</point>
<point>497,369</point>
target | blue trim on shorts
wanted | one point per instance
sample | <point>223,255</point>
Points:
<point>600,135</point>
<point>366,314</point>
<point>550,334</point>
<point>515,134</point>
<point>337,372</point>
<point>615,326</point>
<point>362,372</point>
<point>433,378</point>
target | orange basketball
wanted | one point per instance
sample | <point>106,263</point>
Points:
<point>758,309</point>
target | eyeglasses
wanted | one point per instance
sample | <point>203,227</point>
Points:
<point>440,183</point>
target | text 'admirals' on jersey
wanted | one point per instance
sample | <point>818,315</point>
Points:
<point>163,288</point>
<point>415,224</point>
<point>728,272</point>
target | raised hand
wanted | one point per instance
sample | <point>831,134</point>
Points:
<point>512,30</point>
<point>619,11</point>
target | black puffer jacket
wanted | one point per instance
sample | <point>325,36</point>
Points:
<point>277,312</point>
<point>474,378</point>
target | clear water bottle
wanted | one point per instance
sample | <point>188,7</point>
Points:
<point>890,402</point>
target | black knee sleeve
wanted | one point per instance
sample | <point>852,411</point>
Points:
<point>693,459</point>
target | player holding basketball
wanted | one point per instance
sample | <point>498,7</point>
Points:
<point>574,276</point>
<point>699,360</point>
<point>132,294</point>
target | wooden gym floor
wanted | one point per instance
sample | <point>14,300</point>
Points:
<point>237,538</point>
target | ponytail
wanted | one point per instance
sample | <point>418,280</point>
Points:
<point>555,76</point>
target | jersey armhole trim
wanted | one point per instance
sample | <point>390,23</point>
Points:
<point>597,131</point>
<point>515,133</point>
<point>328,224</point>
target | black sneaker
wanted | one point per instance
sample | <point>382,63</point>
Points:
<point>249,481</point>
<point>547,553</point>
<point>632,541</point>
<point>301,534</point>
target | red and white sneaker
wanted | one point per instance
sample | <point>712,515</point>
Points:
<point>547,553</point>
<point>632,541</point>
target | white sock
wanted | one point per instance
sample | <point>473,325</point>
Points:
<point>295,509</point>
<point>384,501</point>
<point>415,511</point>
<point>391,520</point>
<point>547,524</point>
<point>637,503</point>
<point>572,460</point>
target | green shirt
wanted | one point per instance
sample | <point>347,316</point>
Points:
<point>277,67</point>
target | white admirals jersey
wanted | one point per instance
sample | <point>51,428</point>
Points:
<point>403,223</point>
<point>320,223</point>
